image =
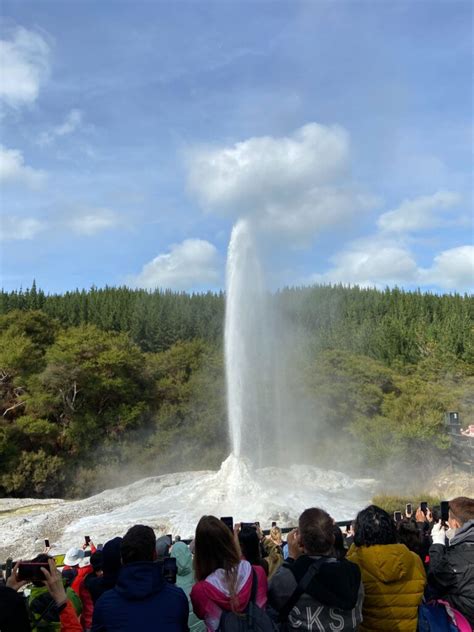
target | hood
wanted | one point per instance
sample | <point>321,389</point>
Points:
<point>464,534</point>
<point>111,560</point>
<point>140,580</point>
<point>388,563</point>
<point>184,559</point>
<point>336,584</point>
<point>218,589</point>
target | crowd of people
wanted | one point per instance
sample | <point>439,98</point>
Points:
<point>381,574</point>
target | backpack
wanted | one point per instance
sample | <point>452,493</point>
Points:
<point>252,618</point>
<point>440,616</point>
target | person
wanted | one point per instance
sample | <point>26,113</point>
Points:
<point>313,589</point>
<point>394,578</point>
<point>43,614</point>
<point>185,580</point>
<point>13,611</point>
<point>223,580</point>
<point>162,547</point>
<point>75,561</point>
<point>84,592</point>
<point>339,549</point>
<point>411,536</point>
<point>451,568</point>
<point>141,599</point>
<point>249,544</point>
<point>98,583</point>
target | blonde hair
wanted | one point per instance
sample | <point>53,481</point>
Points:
<point>275,534</point>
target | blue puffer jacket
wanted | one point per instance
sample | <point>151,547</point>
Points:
<point>141,600</point>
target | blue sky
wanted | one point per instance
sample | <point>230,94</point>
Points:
<point>134,134</point>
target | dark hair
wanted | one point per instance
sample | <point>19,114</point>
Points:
<point>250,547</point>
<point>372,526</point>
<point>410,535</point>
<point>316,531</point>
<point>339,548</point>
<point>462,508</point>
<point>138,545</point>
<point>214,547</point>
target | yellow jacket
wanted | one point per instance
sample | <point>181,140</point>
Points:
<point>394,580</point>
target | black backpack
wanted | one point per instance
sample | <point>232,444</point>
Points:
<point>252,618</point>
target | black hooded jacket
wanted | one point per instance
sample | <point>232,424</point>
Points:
<point>334,595</point>
<point>111,565</point>
<point>451,571</point>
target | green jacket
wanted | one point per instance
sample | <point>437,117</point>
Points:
<point>43,613</point>
<point>185,580</point>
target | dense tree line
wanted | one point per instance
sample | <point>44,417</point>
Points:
<point>117,380</point>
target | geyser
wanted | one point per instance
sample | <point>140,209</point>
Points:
<point>246,344</point>
<point>262,479</point>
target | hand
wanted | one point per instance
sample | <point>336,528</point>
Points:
<point>236,528</point>
<point>260,533</point>
<point>294,546</point>
<point>438,533</point>
<point>13,581</point>
<point>420,515</point>
<point>429,515</point>
<point>54,583</point>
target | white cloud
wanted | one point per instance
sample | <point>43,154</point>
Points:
<point>16,228</point>
<point>90,221</point>
<point>25,65</point>
<point>14,170</point>
<point>194,263</point>
<point>452,269</point>
<point>292,185</point>
<point>371,262</point>
<point>420,213</point>
<point>71,123</point>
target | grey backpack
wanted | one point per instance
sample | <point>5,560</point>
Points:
<point>252,618</point>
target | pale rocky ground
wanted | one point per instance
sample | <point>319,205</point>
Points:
<point>173,503</point>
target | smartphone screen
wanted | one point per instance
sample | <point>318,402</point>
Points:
<point>170,538</point>
<point>170,569</point>
<point>424,507</point>
<point>229,522</point>
<point>408,509</point>
<point>46,543</point>
<point>248,525</point>
<point>32,570</point>
<point>444,510</point>
<point>87,539</point>
<point>274,524</point>
<point>397,516</point>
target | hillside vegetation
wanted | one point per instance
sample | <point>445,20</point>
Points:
<point>98,382</point>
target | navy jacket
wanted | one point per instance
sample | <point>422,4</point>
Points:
<point>141,600</point>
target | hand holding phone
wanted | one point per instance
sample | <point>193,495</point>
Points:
<point>170,569</point>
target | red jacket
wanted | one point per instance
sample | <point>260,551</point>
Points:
<point>69,620</point>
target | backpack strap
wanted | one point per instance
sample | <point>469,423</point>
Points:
<point>301,588</point>
<point>253,593</point>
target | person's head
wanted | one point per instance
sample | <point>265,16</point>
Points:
<point>111,559</point>
<point>275,534</point>
<point>409,535</point>
<point>96,562</point>
<point>162,547</point>
<point>250,547</point>
<point>73,557</point>
<point>461,510</point>
<point>372,526</point>
<point>184,558</point>
<point>339,548</point>
<point>138,545</point>
<point>315,532</point>
<point>214,547</point>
